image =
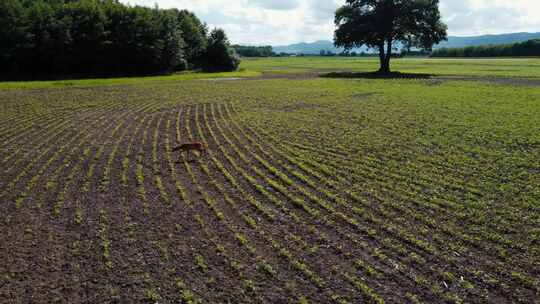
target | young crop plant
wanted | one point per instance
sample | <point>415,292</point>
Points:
<point>105,241</point>
<point>129,148</point>
<point>155,160</point>
<point>187,295</point>
<point>139,170</point>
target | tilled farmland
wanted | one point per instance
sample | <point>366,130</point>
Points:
<point>318,194</point>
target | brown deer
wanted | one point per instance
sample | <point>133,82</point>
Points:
<point>191,146</point>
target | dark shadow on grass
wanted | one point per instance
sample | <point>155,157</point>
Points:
<point>376,75</point>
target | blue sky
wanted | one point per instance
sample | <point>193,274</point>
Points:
<point>278,22</point>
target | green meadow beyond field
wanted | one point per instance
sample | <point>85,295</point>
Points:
<point>319,184</point>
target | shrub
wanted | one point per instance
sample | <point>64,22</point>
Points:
<point>219,55</point>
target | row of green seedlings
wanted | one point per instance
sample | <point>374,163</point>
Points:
<point>368,172</point>
<point>38,156</point>
<point>395,246</point>
<point>35,141</point>
<point>140,129</point>
<point>77,168</point>
<point>445,274</point>
<point>474,212</point>
<point>72,143</point>
<point>474,241</point>
<point>300,176</point>
<point>475,245</point>
<point>78,218</point>
<point>431,162</point>
<point>186,293</point>
<point>27,125</point>
<point>151,294</point>
<point>105,242</point>
<point>304,207</point>
<point>316,280</point>
<point>156,164</point>
<point>452,184</point>
<point>236,265</point>
<point>199,260</point>
<point>361,286</point>
<point>105,179</point>
<point>348,165</point>
<point>243,240</point>
<point>300,164</point>
<point>487,278</point>
<point>126,162</point>
<point>105,182</point>
<point>323,179</point>
<point>487,174</point>
<point>27,117</point>
<point>142,125</point>
<point>139,168</point>
<point>446,181</point>
<point>516,210</point>
<point>367,231</point>
<point>17,121</point>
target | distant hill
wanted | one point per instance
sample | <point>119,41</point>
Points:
<point>453,42</point>
<point>311,48</point>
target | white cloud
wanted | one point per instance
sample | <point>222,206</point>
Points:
<point>279,22</point>
<point>275,4</point>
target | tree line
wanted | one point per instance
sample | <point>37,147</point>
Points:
<point>522,49</point>
<point>59,38</point>
<point>254,51</point>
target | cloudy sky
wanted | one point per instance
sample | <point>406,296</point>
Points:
<point>279,22</point>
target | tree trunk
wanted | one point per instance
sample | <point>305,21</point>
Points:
<point>388,56</point>
<point>385,67</point>
<point>384,57</point>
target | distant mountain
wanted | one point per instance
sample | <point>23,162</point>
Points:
<point>453,42</point>
<point>311,48</point>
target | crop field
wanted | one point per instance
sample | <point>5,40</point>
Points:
<point>313,190</point>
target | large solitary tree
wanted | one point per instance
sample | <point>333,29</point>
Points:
<point>382,24</point>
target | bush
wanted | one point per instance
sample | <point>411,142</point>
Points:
<point>219,55</point>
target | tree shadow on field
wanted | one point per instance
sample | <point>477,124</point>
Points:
<point>376,75</point>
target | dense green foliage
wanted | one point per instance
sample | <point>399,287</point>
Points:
<point>382,24</point>
<point>523,49</point>
<point>219,55</point>
<point>58,38</point>
<point>254,51</point>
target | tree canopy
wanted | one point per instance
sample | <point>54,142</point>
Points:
<point>220,56</point>
<point>83,38</point>
<point>254,51</point>
<point>381,24</point>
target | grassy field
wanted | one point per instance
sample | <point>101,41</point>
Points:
<point>443,67</point>
<point>314,190</point>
